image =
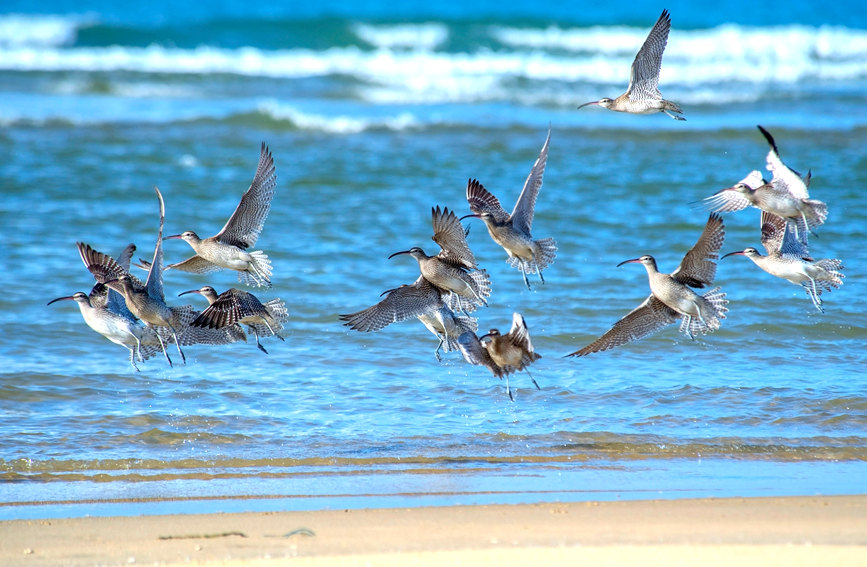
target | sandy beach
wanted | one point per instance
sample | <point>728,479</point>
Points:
<point>822,530</point>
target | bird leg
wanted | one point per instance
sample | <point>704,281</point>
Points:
<point>533,380</point>
<point>814,295</point>
<point>177,344</point>
<point>163,345</point>
<point>687,324</point>
<point>524,273</point>
<point>256,332</point>
<point>508,389</point>
<point>437,351</point>
<point>138,349</point>
<point>132,358</point>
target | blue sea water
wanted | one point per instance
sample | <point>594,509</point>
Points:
<point>375,113</point>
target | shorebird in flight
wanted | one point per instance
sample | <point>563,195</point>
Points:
<point>105,311</point>
<point>501,354</point>
<point>643,96</point>
<point>784,196</point>
<point>512,231</point>
<point>788,259</point>
<point>235,306</point>
<point>228,248</point>
<point>671,297</point>
<point>419,299</point>
<point>454,268</point>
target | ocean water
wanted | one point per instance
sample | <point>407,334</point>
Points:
<point>375,114</point>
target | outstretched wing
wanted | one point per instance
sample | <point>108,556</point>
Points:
<point>483,201</point>
<point>475,353</point>
<point>103,267</point>
<point>698,269</point>
<point>522,215</point>
<point>784,177</point>
<point>451,236</point>
<point>155,274</point>
<point>778,237</point>
<point>644,75</point>
<point>194,264</point>
<point>519,336</point>
<point>648,318</point>
<point>399,304</point>
<point>246,223</point>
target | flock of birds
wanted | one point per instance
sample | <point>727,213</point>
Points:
<point>135,314</point>
<point>451,285</point>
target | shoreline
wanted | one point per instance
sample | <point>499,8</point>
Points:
<point>797,530</point>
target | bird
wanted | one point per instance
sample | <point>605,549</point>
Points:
<point>111,319</point>
<point>788,258</point>
<point>235,306</point>
<point>228,248</point>
<point>145,301</point>
<point>671,297</point>
<point>501,354</point>
<point>419,299</point>
<point>454,268</point>
<point>642,96</point>
<point>512,231</point>
<point>785,195</point>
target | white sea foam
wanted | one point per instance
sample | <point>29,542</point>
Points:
<point>18,30</point>
<point>335,124</point>
<point>407,36</point>
<point>728,53</point>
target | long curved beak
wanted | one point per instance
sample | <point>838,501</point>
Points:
<point>60,299</point>
<point>634,260</point>
<point>172,236</point>
<point>589,103</point>
<point>189,291</point>
<point>398,254</point>
<point>741,252</point>
<point>468,216</point>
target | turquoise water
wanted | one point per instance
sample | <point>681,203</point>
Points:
<point>373,117</point>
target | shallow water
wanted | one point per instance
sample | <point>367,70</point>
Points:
<point>373,121</point>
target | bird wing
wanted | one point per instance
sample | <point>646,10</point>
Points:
<point>644,74</point>
<point>522,215</point>
<point>451,236</point>
<point>103,267</point>
<point>475,353</point>
<point>519,336</point>
<point>103,296</point>
<point>777,237</point>
<point>773,229</point>
<point>483,201</point>
<point>698,269</point>
<point>726,201</point>
<point>784,177</point>
<point>154,282</point>
<point>399,304</point>
<point>125,256</point>
<point>246,223</point>
<point>183,318</point>
<point>194,264</point>
<point>227,309</point>
<point>650,317</point>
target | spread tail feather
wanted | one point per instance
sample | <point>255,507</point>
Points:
<point>259,273</point>
<point>716,301</point>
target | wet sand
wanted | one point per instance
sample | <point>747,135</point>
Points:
<point>822,530</point>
